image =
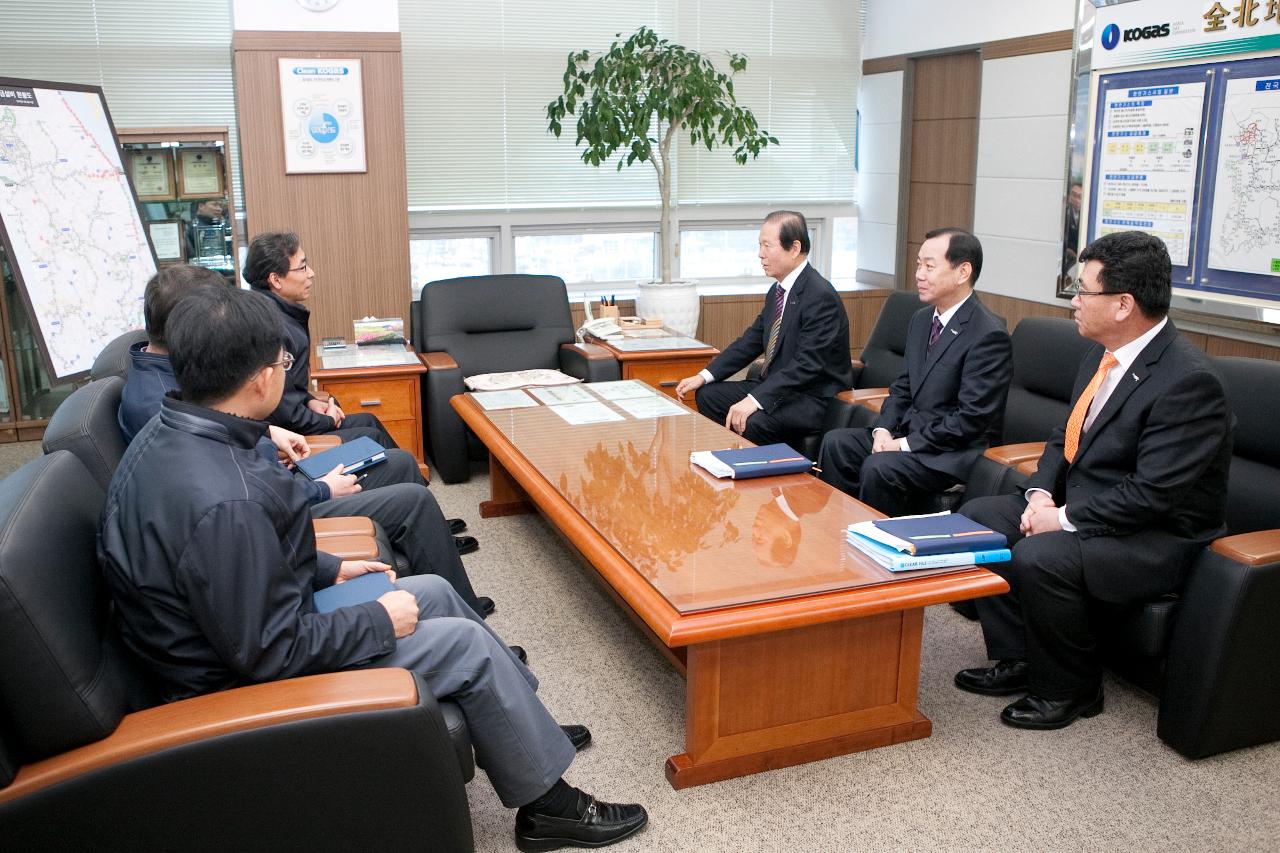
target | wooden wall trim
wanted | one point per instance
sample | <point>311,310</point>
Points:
<point>1027,45</point>
<point>884,64</point>
<point>879,279</point>
<point>272,40</point>
<point>999,49</point>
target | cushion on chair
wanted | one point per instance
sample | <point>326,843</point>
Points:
<point>86,425</point>
<point>114,360</point>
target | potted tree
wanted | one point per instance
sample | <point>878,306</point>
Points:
<point>634,99</point>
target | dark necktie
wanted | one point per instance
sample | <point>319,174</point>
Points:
<point>935,331</point>
<point>779,299</point>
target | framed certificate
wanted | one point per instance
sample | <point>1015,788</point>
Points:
<point>199,173</point>
<point>152,174</point>
<point>166,239</point>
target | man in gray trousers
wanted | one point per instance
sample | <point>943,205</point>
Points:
<point>209,553</point>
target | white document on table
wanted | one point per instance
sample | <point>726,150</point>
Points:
<point>651,407</point>
<point>577,414</point>
<point>623,390</point>
<point>493,400</point>
<point>560,394</point>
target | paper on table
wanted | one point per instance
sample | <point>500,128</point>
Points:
<point>651,407</point>
<point>576,414</point>
<point>374,356</point>
<point>622,390</point>
<point>491,400</point>
<point>559,394</point>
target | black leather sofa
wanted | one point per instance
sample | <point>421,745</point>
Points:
<point>88,761</point>
<point>491,324</point>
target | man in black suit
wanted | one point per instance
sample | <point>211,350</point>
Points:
<point>942,412</point>
<point>1127,492</point>
<point>803,335</point>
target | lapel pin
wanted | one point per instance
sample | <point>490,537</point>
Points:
<point>955,331</point>
<point>1135,377</point>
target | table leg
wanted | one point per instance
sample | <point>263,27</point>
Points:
<point>774,700</point>
<point>506,496</point>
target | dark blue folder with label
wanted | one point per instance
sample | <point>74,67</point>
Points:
<point>942,534</point>
<point>751,462</point>
<point>358,590</point>
<point>353,455</point>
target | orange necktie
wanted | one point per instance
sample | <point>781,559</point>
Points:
<point>1075,423</point>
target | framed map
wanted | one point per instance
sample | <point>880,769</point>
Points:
<point>69,220</point>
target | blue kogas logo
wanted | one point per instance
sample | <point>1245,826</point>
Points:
<point>1110,36</point>
<point>323,128</point>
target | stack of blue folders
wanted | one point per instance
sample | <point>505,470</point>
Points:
<point>927,542</point>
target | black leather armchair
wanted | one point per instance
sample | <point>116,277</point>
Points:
<point>114,359</point>
<point>490,324</point>
<point>87,761</point>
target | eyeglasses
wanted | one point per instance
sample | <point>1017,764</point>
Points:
<point>302,268</point>
<point>1075,288</point>
<point>286,361</point>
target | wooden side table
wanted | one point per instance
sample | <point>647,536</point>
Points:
<point>661,368</point>
<point>390,392</point>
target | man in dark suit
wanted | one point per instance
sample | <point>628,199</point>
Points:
<point>942,412</point>
<point>1127,492</point>
<point>803,335</point>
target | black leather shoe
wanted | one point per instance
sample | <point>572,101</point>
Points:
<point>579,736</point>
<point>1033,712</point>
<point>486,606</point>
<point>524,658</point>
<point>1007,676</point>
<point>466,544</point>
<point>600,824</point>
<point>456,525</point>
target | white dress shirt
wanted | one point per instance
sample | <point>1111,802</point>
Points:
<point>944,318</point>
<point>1125,356</point>
<point>786,285</point>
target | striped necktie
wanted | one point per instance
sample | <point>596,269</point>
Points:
<point>771,349</point>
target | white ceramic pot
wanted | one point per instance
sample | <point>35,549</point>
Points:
<point>675,303</point>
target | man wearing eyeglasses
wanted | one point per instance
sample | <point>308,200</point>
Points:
<point>1128,491</point>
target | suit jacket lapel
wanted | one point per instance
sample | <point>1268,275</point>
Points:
<point>791,315</point>
<point>1134,376</point>
<point>950,332</point>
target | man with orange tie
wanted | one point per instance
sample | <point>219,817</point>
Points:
<point>802,333</point>
<point>1127,492</point>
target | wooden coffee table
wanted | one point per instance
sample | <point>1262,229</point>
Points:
<point>794,646</point>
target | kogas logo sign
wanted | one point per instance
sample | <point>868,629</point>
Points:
<point>1111,34</point>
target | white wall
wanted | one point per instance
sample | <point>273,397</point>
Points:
<point>879,153</point>
<point>1022,140</point>
<point>917,26</point>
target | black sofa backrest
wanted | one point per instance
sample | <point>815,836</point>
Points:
<point>1253,490</point>
<point>114,359</point>
<point>66,678</point>
<point>86,424</point>
<point>492,323</point>
<point>886,348</point>
<point>1046,357</point>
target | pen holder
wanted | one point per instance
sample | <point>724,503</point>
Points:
<point>606,311</point>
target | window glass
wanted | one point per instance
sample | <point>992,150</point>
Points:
<point>844,247</point>
<point>436,258</point>
<point>601,256</point>
<point>721,253</point>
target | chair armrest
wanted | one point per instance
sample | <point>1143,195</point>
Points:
<point>856,364</point>
<point>216,714</point>
<point>438,361</point>
<point>350,547</point>
<point>321,443</point>
<point>589,362</point>
<point>1251,549</point>
<point>353,525</point>
<point>1028,468</point>
<point>1014,454</point>
<point>865,395</point>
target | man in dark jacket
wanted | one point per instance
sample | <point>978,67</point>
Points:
<point>392,493</point>
<point>277,266</point>
<point>209,554</point>
<point>802,333</point>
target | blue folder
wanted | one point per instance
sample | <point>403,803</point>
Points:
<point>358,590</point>
<point>942,534</point>
<point>354,456</point>
<point>763,461</point>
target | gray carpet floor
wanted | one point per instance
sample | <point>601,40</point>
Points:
<point>1106,783</point>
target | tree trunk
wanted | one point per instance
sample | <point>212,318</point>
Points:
<point>668,238</point>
